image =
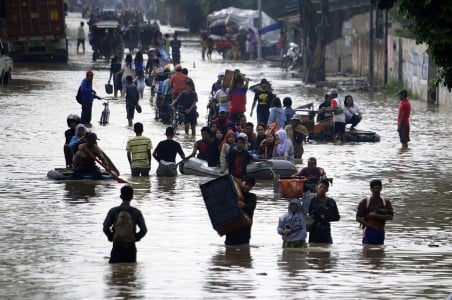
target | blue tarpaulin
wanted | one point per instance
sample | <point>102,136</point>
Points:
<point>275,26</point>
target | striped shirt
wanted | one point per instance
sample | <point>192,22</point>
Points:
<point>138,146</point>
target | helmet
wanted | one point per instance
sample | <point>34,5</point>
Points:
<point>73,117</point>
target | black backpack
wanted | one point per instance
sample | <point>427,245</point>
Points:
<point>79,96</point>
<point>298,136</point>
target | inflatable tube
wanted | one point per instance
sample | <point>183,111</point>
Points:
<point>64,174</point>
<point>259,170</point>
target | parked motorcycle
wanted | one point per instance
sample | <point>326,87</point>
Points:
<point>292,58</point>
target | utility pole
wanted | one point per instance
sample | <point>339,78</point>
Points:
<point>259,42</point>
<point>371,44</point>
<point>386,48</point>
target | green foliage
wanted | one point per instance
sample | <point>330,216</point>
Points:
<point>392,87</point>
<point>433,26</point>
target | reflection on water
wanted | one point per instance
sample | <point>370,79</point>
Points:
<point>293,262</point>
<point>124,281</point>
<point>80,191</point>
<point>226,270</point>
<point>233,257</point>
<point>54,248</point>
<point>374,255</point>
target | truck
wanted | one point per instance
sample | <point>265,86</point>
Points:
<point>6,64</point>
<point>35,29</point>
<point>225,24</point>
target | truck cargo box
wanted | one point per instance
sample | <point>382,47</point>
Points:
<point>221,196</point>
<point>35,29</point>
<point>34,18</point>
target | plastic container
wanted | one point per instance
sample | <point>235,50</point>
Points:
<point>221,196</point>
<point>291,188</point>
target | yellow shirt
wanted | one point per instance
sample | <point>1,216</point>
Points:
<point>139,146</point>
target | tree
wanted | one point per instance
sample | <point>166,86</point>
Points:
<point>314,41</point>
<point>432,25</point>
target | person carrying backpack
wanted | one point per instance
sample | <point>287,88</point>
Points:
<point>120,228</point>
<point>85,97</point>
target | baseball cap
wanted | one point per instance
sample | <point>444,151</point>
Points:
<point>89,72</point>
<point>332,92</point>
<point>166,68</point>
<point>222,109</point>
<point>221,73</point>
<point>297,117</point>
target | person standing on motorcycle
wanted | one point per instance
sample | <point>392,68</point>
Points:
<point>282,44</point>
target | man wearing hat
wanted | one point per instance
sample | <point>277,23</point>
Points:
<point>217,84</point>
<point>297,133</point>
<point>84,159</point>
<point>88,95</point>
<point>403,119</point>
<point>264,98</point>
<point>214,99</point>
<point>222,122</point>
<point>165,154</point>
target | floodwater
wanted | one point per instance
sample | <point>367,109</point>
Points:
<point>51,236</point>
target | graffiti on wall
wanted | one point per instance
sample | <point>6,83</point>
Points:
<point>414,63</point>
<point>424,66</point>
<point>419,65</point>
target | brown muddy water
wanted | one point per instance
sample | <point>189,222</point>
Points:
<point>52,243</point>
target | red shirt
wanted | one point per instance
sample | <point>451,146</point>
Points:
<point>405,108</point>
<point>238,100</point>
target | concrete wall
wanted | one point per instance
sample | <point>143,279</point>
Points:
<point>360,59</point>
<point>411,64</point>
<point>338,54</point>
<point>444,96</point>
<point>407,62</point>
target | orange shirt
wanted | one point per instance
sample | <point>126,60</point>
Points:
<point>178,82</point>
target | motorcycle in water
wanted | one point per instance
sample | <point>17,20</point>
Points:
<point>292,58</point>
